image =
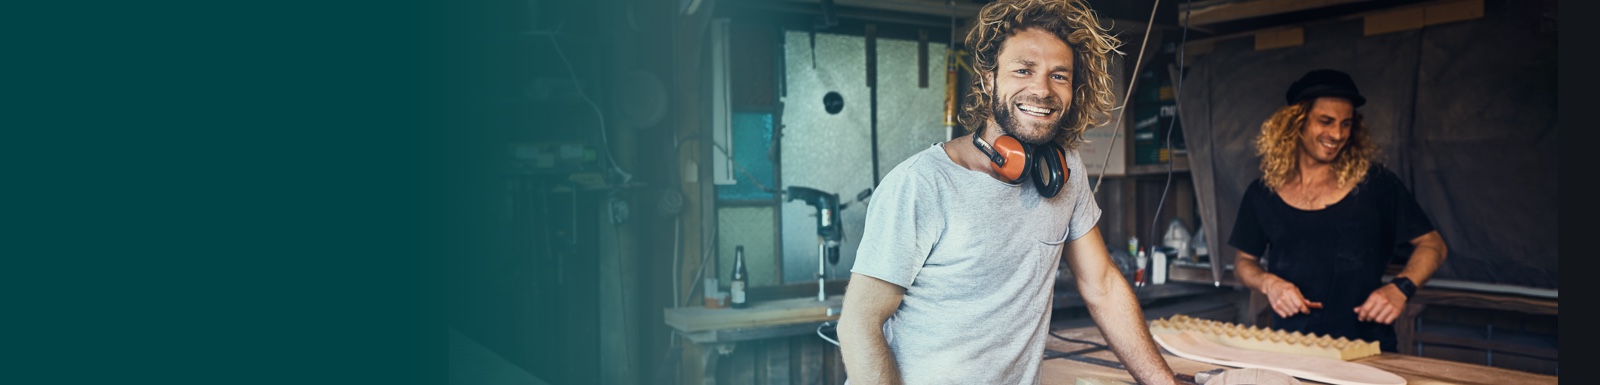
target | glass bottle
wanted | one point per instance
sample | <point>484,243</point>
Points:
<point>740,279</point>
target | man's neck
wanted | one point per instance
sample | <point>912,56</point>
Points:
<point>966,154</point>
<point>1313,172</point>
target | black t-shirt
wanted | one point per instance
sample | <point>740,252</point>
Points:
<point>1336,255</point>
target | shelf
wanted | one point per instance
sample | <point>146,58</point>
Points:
<point>1180,164</point>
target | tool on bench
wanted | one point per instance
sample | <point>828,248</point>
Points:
<point>830,228</point>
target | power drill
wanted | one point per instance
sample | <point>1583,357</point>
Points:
<point>829,227</point>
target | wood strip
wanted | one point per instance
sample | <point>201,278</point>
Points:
<point>1191,345</point>
<point>1430,296</point>
<point>809,362</point>
<point>789,311</point>
<point>1221,11</point>
<point>1454,11</point>
<point>739,366</point>
<point>1423,370</point>
<point>1280,38</point>
<point>1393,21</point>
<point>777,361</point>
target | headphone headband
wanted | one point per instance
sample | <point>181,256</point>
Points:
<point>988,150</point>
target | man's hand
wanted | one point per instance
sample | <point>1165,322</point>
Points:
<point>1286,298</point>
<point>1382,306</point>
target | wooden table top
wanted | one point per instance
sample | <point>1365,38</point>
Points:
<point>1416,370</point>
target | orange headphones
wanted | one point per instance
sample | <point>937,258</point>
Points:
<point>1015,161</point>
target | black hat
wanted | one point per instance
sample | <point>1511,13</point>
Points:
<point>1325,82</point>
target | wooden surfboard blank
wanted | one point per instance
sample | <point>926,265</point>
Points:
<point>1193,346</point>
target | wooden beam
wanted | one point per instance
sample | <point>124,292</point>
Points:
<point>1453,11</point>
<point>1409,18</point>
<point>1217,11</point>
<point>1394,21</point>
<point>798,310</point>
<point>1280,38</point>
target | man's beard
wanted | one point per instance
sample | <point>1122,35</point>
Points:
<point>1040,133</point>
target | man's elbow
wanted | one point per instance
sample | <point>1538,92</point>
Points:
<point>854,325</point>
<point>1436,242</point>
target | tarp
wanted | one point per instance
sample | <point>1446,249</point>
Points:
<point>1464,112</point>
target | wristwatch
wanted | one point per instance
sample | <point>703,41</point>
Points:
<point>1405,285</point>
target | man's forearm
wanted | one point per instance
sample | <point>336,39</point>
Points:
<point>1250,272</point>
<point>1428,254</point>
<point>866,355</point>
<point>1116,310</point>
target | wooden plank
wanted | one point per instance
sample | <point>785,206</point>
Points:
<point>1434,296</point>
<point>1409,18</point>
<point>808,361</point>
<point>777,361</point>
<point>1454,11</point>
<point>1212,12</point>
<point>739,367</point>
<point>1188,344</point>
<point>1415,370</point>
<point>1458,340</point>
<point>1280,38</point>
<point>1423,370</point>
<point>789,311</point>
<point>692,368</point>
<point>1393,21</point>
<point>1101,381</point>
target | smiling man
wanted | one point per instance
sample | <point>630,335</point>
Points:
<point>957,266</point>
<point>1328,218</point>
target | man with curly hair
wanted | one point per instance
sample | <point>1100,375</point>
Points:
<point>1327,219</point>
<point>958,260</point>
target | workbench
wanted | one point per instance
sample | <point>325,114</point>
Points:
<point>1416,370</point>
<point>769,342</point>
<point>777,340</point>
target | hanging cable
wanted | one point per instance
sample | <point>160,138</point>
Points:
<point>1116,127</point>
<point>1097,346</point>
<point>1177,93</point>
<point>604,141</point>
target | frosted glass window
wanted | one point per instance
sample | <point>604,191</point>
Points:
<point>751,227</point>
<point>833,152</point>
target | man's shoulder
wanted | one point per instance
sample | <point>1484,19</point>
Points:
<point>1380,174</point>
<point>918,164</point>
<point>1256,186</point>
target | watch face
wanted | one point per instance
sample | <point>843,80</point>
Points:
<point>1405,285</point>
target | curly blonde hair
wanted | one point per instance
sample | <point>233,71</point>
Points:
<point>1279,147</point>
<point>1074,23</point>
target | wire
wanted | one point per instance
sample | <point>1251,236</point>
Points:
<point>603,139</point>
<point>740,167</point>
<point>705,255</point>
<point>1176,96</point>
<point>824,336</point>
<point>1116,126</point>
<point>1097,346</point>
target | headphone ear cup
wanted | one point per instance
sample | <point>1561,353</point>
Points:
<point>1051,174</point>
<point>1017,165</point>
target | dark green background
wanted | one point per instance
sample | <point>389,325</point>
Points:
<point>230,192</point>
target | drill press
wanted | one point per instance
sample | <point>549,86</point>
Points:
<point>830,230</point>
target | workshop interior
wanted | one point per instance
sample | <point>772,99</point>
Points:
<point>675,191</point>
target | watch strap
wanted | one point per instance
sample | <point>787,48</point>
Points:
<point>1405,285</point>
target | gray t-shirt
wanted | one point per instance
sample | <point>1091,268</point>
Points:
<point>978,259</point>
